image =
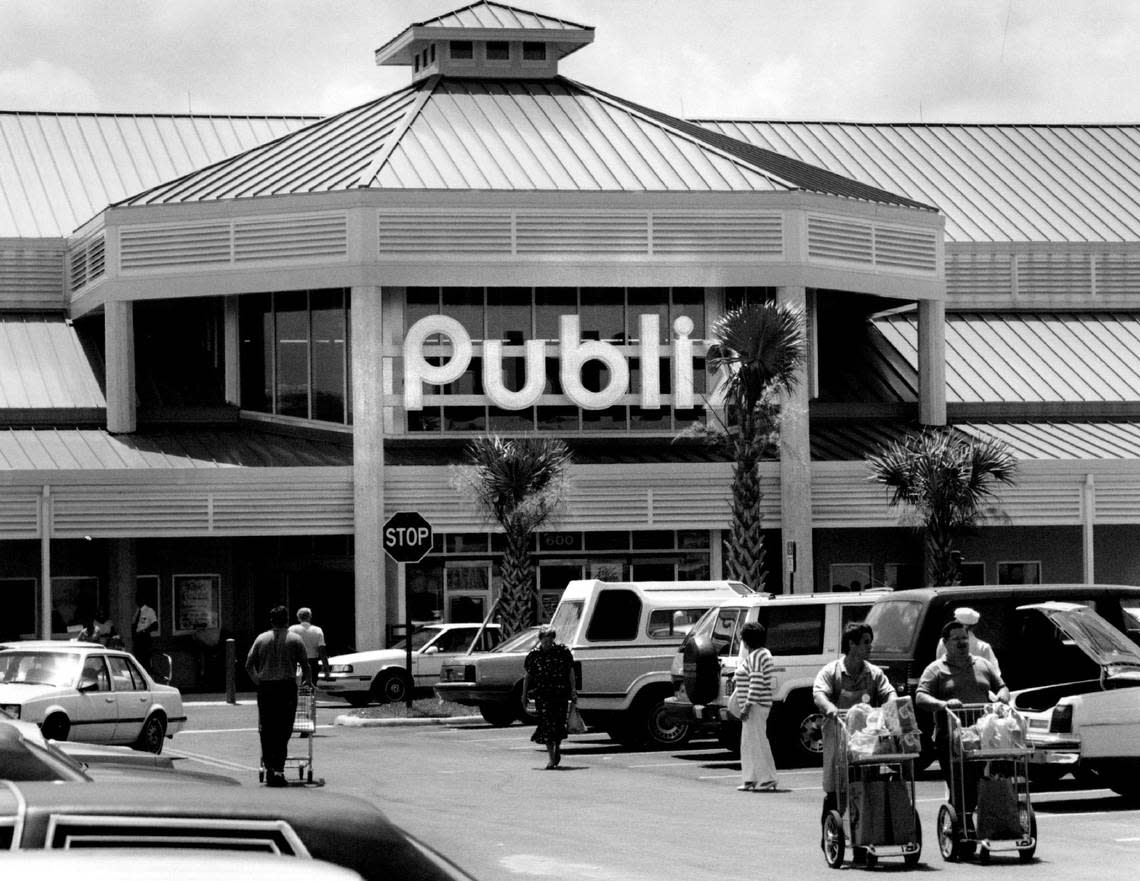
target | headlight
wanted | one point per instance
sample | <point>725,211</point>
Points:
<point>10,710</point>
<point>341,668</point>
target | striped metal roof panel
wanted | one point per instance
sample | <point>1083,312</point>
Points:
<point>529,135</point>
<point>95,449</point>
<point>1019,357</point>
<point>486,14</point>
<point>994,183</point>
<point>58,170</point>
<point>1063,440</point>
<point>43,366</point>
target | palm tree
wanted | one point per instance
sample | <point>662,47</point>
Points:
<point>944,480</point>
<point>760,346</point>
<point>518,483</point>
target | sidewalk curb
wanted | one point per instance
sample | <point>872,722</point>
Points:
<point>358,722</point>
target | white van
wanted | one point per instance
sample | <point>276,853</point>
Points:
<point>624,635</point>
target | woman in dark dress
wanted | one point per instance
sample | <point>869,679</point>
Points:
<point>549,680</point>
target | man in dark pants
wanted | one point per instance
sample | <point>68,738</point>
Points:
<point>272,665</point>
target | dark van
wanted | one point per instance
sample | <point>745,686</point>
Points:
<point>1031,652</point>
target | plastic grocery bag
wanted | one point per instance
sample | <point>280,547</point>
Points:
<point>857,718</point>
<point>904,710</point>
<point>862,744</point>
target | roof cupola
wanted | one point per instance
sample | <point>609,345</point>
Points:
<point>486,40</point>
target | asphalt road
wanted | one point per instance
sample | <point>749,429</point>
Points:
<point>481,796</point>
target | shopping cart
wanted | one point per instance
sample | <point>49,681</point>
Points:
<point>305,725</point>
<point>875,812</point>
<point>989,807</point>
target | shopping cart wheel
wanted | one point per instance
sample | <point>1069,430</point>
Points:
<point>310,775</point>
<point>949,834</point>
<point>911,859</point>
<point>870,859</point>
<point>983,854</point>
<point>1027,854</point>
<point>834,841</point>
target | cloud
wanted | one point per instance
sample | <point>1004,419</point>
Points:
<point>42,85</point>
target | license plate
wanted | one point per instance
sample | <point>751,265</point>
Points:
<point>1038,723</point>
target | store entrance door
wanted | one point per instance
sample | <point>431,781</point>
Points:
<point>329,595</point>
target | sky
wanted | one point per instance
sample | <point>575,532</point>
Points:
<point>989,61</point>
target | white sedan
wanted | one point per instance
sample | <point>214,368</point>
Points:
<point>1090,724</point>
<point>382,675</point>
<point>88,692</point>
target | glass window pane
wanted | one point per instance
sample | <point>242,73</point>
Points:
<point>691,302</point>
<point>509,315</point>
<point>611,419</point>
<point>465,305</point>
<point>510,420</point>
<point>255,329</point>
<point>292,341</point>
<point>464,419</point>
<point>427,419</point>
<point>603,314</point>
<point>549,305</point>
<point>419,303</point>
<point>649,420</point>
<point>648,301</point>
<point>329,349</point>
<point>557,418</point>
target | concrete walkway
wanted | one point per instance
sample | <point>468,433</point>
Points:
<point>249,698</point>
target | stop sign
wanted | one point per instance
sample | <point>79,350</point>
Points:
<point>407,537</point>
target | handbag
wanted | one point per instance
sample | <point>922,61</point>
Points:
<point>574,723</point>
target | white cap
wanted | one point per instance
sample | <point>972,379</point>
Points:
<point>967,616</point>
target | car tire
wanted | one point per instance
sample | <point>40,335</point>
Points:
<point>56,727</point>
<point>153,735</point>
<point>701,669</point>
<point>498,715</point>
<point>391,687</point>
<point>662,730</point>
<point>797,728</point>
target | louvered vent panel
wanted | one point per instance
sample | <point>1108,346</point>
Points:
<point>19,517</point>
<point>1118,275</point>
<point>158,247</point>
<point>291,238</point>
<point>1041,502</point>
<point>906,249</point>
<point>488,234</point>
<point>840,240</point>
<point>260,510</point>
<point>582,234</point>
<point>849,499</point>
<point>87,261</point>
<point>973,276</point>
<point>1054,275</point>
<point>748,235</point>
<point>32,278</point>
<point>1117,502</point>
<point>125,510</point>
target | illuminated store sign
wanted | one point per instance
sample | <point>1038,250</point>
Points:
<point>573,353</point>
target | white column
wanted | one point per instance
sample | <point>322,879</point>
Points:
<point>119,342</point>
<point>45,563</point>
<point>232,352</point>
<point>795,467</point>
<point>368,465</point>
<point>932,362</point>
<point>1088,528</point>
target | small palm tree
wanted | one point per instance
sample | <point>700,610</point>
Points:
<point>943,480</point>
<point>760,346</point>
<point>519,484</point>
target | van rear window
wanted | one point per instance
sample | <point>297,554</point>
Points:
<point>616,616</point>
<point>795,630</point>
<point>895,623</point>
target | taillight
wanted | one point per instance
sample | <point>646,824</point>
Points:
<point>1061,720</point>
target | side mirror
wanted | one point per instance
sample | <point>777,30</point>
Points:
<point>88,683</point>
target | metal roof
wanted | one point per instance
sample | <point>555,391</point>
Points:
<point>1029,357</point>
<point>43,365</point>
<point>994,183</point>
<point>57,170</point>
<point>486,14</point>
<point>95,449</point>
<point>1063,440</point>
<point>528,135</point>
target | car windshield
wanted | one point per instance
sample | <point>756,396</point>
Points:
<point>895,624</point>
<point>520,642</point>
<point>39,668</point>
<point>565,620</point>
<point>420,638</point>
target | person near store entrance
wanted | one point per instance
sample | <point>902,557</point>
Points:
<point>272,665</point>
<point>840,685</point>
<point>144,626</point>
<point>314,638</point>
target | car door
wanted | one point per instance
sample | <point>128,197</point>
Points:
<point>96,708</point>
<point>450,643</point>
<point>133,696</point>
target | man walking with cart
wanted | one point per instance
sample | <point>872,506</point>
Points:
<point>950,681</point>
<point>272,666</point>
<point>841,685</point>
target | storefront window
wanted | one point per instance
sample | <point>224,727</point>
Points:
<point>329,350</point>
<point>256,323</point>
<point>292,344</point>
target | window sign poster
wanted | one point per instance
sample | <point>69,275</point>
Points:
<point>197,601</point>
